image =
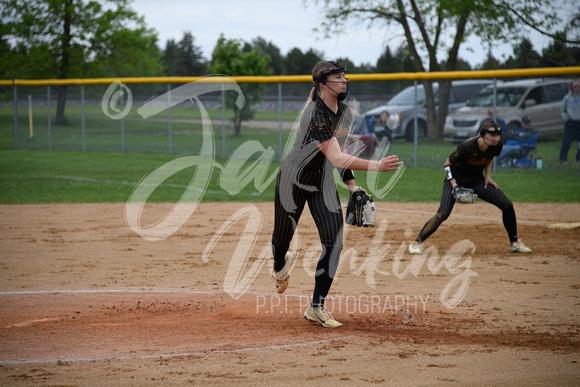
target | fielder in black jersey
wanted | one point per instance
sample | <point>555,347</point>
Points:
<point>306,176</point>
<point>469,166</point>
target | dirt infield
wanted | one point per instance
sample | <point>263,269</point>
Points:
<point>85,300</point>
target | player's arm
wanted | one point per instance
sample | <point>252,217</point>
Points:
<point>488,179</point>
<point>339,159</point>
<point>449,173</point>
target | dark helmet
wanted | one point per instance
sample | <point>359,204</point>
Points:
<point>490,127</point>
<point>322,78</point>
<point>526,119</point>
<point>337,69</point>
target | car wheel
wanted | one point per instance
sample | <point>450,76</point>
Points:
<point>421,130</point>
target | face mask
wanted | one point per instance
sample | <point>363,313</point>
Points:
<point>322,79</point>
<point>340,96</point>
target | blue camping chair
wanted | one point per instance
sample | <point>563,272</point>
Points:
<point>525,154</point>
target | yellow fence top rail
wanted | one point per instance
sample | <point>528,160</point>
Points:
<point>533,72</point>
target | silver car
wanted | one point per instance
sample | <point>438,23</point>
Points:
<point>540,99</point>
<point>403,105</point>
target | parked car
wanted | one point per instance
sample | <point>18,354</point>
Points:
<point>540,99</point>
<point>403,105</point>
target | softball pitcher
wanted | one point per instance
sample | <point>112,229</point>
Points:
<point>306,176</point>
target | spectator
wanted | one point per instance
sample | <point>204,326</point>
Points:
<point>516,142</point>
<point>359,125</point>
<point>571,114</point>
<point>497,120</point>
<point>361,142</point>
<point>382,128</point>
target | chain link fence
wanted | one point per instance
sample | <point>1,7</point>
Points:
<point>170,118</point>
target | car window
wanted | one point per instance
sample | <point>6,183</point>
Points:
<point>407,97</point>
<point>556,92</point>
<point>465,92</point>
<point>507,96</point>
<point>537,95</point>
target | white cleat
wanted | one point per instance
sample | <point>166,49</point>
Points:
<point>415,248</point>
<point>281,277</point>
<point>319,314</point>
<point>519,247</point>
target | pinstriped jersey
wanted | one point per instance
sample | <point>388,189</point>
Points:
<point>319,124</point>
<point>469,161</point>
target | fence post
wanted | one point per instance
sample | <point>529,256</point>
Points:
<point>169,115</point>
<point>15,111</point>
<point>83,115</point>
<point>223,121</point>
<point>280,121</point>
<point>415,124</point>
<point>49,123</point>
<point>122,125</point>
<point>494,116</point>
<point>30,120</point>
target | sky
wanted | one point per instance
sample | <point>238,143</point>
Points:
<point>287,24</point>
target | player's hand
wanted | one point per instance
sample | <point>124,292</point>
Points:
<point>351,186</point>
<point>491,182</point>
<point>389,163</point>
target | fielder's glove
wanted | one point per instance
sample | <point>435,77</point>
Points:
<point>361,210</point>
<point>464,195</point>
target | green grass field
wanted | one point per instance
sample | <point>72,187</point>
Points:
<point>51,167</point>
<point>152,136</point>
<point>76,177</point>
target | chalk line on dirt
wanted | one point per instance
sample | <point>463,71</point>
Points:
<point>182,354</point>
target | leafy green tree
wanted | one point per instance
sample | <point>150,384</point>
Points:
<point>490,62</point>
<point>276,64</point>
<point>75,38</point>
<point>461,65</point>
<point>229,59</point>
<point>191,61</point>
<point>426,23</point>
<point>183,59</point>
<point>558,53</point>
<point>267,48</point>
<point>170,58</point>
<point>524,56</point>
<point>300,63</point>
<point>397,62</point>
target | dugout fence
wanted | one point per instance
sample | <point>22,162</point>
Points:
<point>108,115</point>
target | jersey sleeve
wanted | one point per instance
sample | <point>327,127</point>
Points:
<point>345,174</point>
<point>458,154</point>
<point>320,128</point>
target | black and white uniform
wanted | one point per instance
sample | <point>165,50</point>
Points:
<point>469,163</point>
<point>306,176</point>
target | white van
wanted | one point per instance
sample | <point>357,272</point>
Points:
<point>541,99</point>
<point>403,105</point>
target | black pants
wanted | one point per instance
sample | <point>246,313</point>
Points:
<point>489,194</point>
<point>294,189</point>
<point>571,133</point>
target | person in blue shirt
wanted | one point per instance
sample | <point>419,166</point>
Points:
<point>516,140</point>
<point>571,114</point>
<point>491,116</point>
